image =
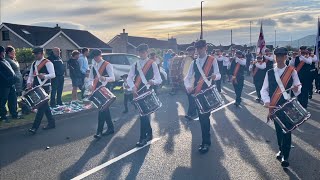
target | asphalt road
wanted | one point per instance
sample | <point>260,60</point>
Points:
<point>243,146</point>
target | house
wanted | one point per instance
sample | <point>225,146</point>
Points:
<point>24,36</point>
<point>123,43</point>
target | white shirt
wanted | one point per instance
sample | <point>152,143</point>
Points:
<point>226,61</point>
<point>188,79</point>
<point>314,59</point>
<point>302,58</point>
<point>219,58</point>
<point>258,65</point>
<point>269,58</point>
<point>50,69</point>
<point>109,70</point>
<point>265,96</point>
<point>241,61</point>
<point>156,80</point>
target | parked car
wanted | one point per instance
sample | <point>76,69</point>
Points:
<point>122,63</point>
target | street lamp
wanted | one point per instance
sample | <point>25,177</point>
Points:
<point>201,35</point>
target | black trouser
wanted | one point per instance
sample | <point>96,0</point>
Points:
<point>224,73</point>
<point>284,141</point>
<point>205,127</point>
<point>127,98</point>
<point>145,127</point>
<point>4,93</point>
<point>104,116</point>
<point>317,80</point>
<point>238,86</point>
<point>82,88</point>
<point>57,88</point>
<point>313,76</point>
<point>258,84</point>
<point>192,109</point>
<point>304,95</point>
<point>12,102</point>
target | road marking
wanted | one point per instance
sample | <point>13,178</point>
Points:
<point>197,119</point>
<point>108,163</point>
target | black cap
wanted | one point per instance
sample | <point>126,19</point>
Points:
<point>191,48</point>
<point>200,43</point>
<point>267,50</point>
<point>281,51</point>
<point>143,47</point>
<point>37,50</point>
<point>1,49</point>
<point>124,76</point>
<point>96,52</point>
<point>310,50</point>
<point>259,57</point>
<point>303,48</point>
<point>239,53</point>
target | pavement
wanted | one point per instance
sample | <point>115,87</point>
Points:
<point>243,146</point>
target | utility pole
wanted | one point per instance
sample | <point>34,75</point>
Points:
<point>250,34</point>
<point>231,38</point>
<point>275,38</point>
<point>201,35</point>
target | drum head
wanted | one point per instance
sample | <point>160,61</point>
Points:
<point>187,63</point>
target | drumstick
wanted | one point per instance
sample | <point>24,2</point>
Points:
<point>288,89</point>
<point>201,81</point>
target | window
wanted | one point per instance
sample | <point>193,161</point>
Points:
<point>132,59</point>
<point>5,36</point>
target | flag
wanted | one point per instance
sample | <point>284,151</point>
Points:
<point>261,44</point>
<point>317,40</point>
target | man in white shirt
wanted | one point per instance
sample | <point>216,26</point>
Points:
<point>138,86</point>
<point>258,69</point>
<point>313,71</point>
<point>97,79</point>
<point>237,69</point>
<point>195,87</point>
<point>219,58</point>
<point>226,62</point>
<point>269,89</point>
<point>41,72</point>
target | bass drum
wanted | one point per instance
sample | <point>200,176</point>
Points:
<point>179,67</point>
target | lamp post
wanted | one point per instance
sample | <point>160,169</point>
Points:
<point>201,35</point>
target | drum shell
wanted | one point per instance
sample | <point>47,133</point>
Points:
<point>102,97</point>
<point>202,100</point>
<point>143,102</point>
<point>43,97</point>
<point>290,115</point>
<point>179,67</point>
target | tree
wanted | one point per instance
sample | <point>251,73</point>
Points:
<point>24,55</point>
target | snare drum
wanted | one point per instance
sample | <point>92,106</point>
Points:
<point>147,103</point>
<point>35,97</point>
<point>290,115</point>
<point>102,97</point>
<point>208,99</point>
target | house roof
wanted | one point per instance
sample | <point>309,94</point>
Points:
<point>135,41</point>
<point>38,36</point>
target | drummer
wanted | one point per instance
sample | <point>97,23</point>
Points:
<point>270,88</point>
<point>205,62</point>
<point>42,71</point>
<point>140,83</point>
<point>106,75</point>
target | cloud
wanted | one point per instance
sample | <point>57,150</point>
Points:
<point>305,17</point>
<point>286,20</point>
<point>268,22</point>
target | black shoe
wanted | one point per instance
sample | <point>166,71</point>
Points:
<point>236,104</point>
<point>32,131</point>
<point>279,156</point>
<point>125,111</point>
<point>49,127</point>
<point>204,148</point>
<point>284,163</point>
<point>258,100</point>
<point>17,117</point>
<point>98,136</point>
<point>108,132</point>
<point>141,143</point>
<point>149,137</point>
<point>188,117</point>
<point>310,96</point>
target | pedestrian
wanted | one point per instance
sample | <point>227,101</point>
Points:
<point>219,58</point>
<point>139,82</point>
<point>57,82</point>
<point>237,68</point>
<point>16,90</point>
<point>128,95</point>
<point>75,74</point>
<point>84,67</point>
<point>210,68</point>
<point>166,64</point>
<point>101,72</point>
<point>7,79</point>
<point>226,62</point>
<point>313,71</point>
<point>258,69</point>
<point>41,72</point>
<point>271,97</point>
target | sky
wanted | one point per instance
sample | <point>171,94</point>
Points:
<point>176,18</point>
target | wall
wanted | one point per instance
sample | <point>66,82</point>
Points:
<point>14,41</point>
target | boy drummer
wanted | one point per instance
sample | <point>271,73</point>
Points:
<point>143,74</point>
<point>270,88</point>
<point>211,71</point>
<point>104,74</point>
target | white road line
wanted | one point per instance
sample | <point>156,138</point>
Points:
<point>197,119</point>
<point>108,163</point>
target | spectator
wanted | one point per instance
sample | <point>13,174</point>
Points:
<point>75,74</point>
<point>7,79</point>
<point>58,81</point>
<point>166,59</point>
<point>84,67</point>
<point>15,90</point>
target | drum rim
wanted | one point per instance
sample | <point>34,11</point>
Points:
<point>143,95</point>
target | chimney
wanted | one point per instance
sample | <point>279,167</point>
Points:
<point>124,41</point>
<point>57,26</point>
<point>124,30</point>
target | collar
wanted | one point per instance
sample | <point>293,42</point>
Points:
<point>41,59</point>
<point>278,69</point>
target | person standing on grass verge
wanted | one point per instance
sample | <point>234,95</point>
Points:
<point>84,67</point>
<point>75,74</point>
